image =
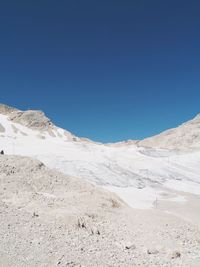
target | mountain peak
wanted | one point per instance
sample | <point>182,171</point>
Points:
<point>31,118</point>
<point>35,119</point>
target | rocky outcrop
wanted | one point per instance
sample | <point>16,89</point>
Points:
<point>184,137</point>
<point>33,119</point>
<point>6,110</point>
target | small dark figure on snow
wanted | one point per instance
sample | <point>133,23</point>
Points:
<point>2,152</point>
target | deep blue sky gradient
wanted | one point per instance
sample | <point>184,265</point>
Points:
<point>109,70</point>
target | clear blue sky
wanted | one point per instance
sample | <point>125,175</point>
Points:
<point>108,70</point>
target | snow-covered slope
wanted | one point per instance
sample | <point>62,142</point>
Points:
<point>137,174</point>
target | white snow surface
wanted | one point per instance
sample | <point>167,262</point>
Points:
<point>139,175</point>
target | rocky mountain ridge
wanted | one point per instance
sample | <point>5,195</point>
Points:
<point>184,137</point>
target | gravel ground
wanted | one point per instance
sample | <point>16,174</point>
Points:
<point>50,219</point>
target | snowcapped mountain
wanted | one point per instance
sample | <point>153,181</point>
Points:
<point>34,120</point>
<point>136,171</point>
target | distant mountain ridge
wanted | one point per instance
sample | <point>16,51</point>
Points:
<point>184,137</point>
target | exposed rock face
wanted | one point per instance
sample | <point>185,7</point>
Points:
<point>34,119</point>
<point>186,136</point>
<point>6,110</point>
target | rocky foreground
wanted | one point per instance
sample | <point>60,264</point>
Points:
<point>49,219</point>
